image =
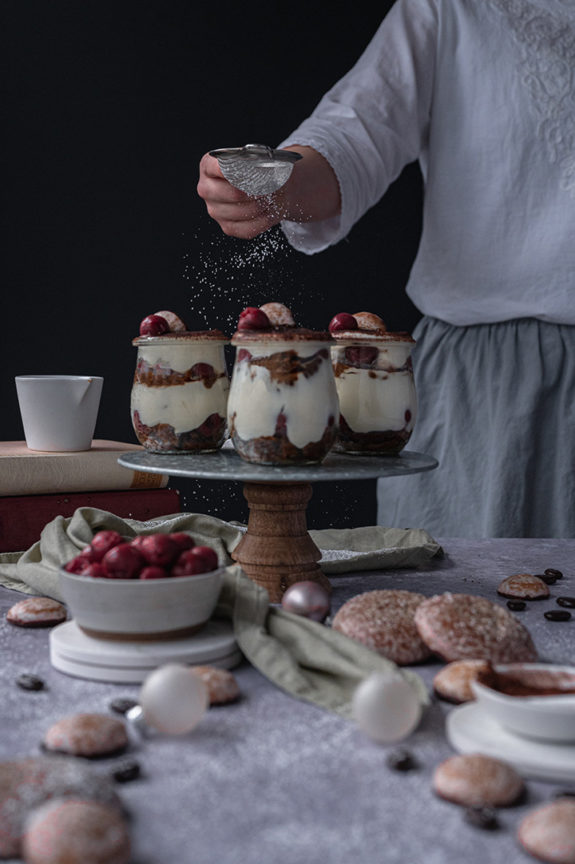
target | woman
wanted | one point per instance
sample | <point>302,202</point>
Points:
<point>481,92</point>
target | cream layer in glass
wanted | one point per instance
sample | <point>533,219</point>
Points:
<point>377,398</point>
<point>180,392</point>
<point>283,405</point>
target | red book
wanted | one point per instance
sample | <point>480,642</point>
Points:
<point>22,517</point>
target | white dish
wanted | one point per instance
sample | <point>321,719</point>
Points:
<point>129,662</point>
<point>470,729</point>
<point>543,718</point>
<point>134,607</point>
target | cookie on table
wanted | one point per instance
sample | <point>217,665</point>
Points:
<point>466,627</point>
<point>87,735</point>
<point>523,586</point>
<point>27,783</point>
<point>384,621</point>
<point>474,780</point>
<point>548,833</point>
<point>453,682</point>
<point>76,832</point>
<point>36,612</point>
<point>221,684</point>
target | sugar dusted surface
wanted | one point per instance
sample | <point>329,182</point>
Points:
<point>270,778</point>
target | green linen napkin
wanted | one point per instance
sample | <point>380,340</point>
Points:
<point>310,661</point>
<point>343,550</point>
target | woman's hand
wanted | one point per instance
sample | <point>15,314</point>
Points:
<point>310,194</point>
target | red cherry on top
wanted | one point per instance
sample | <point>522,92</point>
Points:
<point>154,325</point>
<point>253,318</point>
<point>342,321</point>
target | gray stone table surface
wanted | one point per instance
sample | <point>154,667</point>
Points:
<point>272,779</point>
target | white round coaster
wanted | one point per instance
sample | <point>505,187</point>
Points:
<point>74,652</point>
<point>471,730</point>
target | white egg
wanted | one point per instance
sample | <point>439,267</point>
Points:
<point>173,699</point>
<point>386,707</point>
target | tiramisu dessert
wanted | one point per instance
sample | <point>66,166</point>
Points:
<point>374,380</point>
<point>283,406</point>
<point>180,391</point>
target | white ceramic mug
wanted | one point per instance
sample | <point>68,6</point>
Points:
<point>59,412</point>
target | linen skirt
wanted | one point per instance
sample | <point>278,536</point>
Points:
<point>496,407</point>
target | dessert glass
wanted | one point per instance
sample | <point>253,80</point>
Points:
<point>283,406</point>
<point>180,392</point>
<point>376,390</point>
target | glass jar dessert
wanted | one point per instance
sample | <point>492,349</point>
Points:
<point>180,391</point>
<point>283,406</point>
<point>375,386</point>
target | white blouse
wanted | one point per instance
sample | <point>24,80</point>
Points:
<point>481,92</point>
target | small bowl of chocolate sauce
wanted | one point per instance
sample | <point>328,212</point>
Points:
<point>534,700</point>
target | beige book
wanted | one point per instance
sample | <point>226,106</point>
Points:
<point>33,472</point>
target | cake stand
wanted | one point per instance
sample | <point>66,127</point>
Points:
<point>276,549</point>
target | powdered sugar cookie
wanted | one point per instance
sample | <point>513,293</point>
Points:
<point>384,621</point>
<point>453,682</point>
<point>474,780</point>
<point>278,314</point>
<point>222,685</point>
<point>36,612</point>
<point>548,832</point>
<point>76,832</point>
<point>462,627</point>
<point>523,586</point>
<point>88,735</point>
<point>27,783</point>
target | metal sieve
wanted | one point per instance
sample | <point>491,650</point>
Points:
<point>255,168</point>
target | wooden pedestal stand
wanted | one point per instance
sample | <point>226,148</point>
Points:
<point>276,550</point>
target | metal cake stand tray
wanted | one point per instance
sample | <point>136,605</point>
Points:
<point>276,549</point>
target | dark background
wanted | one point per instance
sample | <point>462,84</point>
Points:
<point>107,108</point>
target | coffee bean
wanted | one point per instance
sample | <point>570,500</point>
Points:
<point>516,605</point>
<point>568,602</point>
<point>27,681</point>
<point>552,572</point>
<point>401,760</point>
<point>547,578</point>
<point>122,705</point>
<point>558,615</point>
<point>481,817</point>
<point>126,771</point>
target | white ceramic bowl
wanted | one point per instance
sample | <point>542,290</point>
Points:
<point>146,608</point>
<point>547,718</point>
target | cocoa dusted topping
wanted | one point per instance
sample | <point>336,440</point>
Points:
<point>529,682</point>
<point>353,337</point>
<point>285,367</point>
<point>277,449</point>
<point>281,334</point>
<point>157,375</point>
<point>162,437</point>
<point>182,336</point>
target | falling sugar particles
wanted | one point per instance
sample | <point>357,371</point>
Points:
<point>226,274</point>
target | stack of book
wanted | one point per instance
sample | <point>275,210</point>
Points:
<point>35,487</point>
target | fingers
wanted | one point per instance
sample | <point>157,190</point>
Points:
<point>237,214</point>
